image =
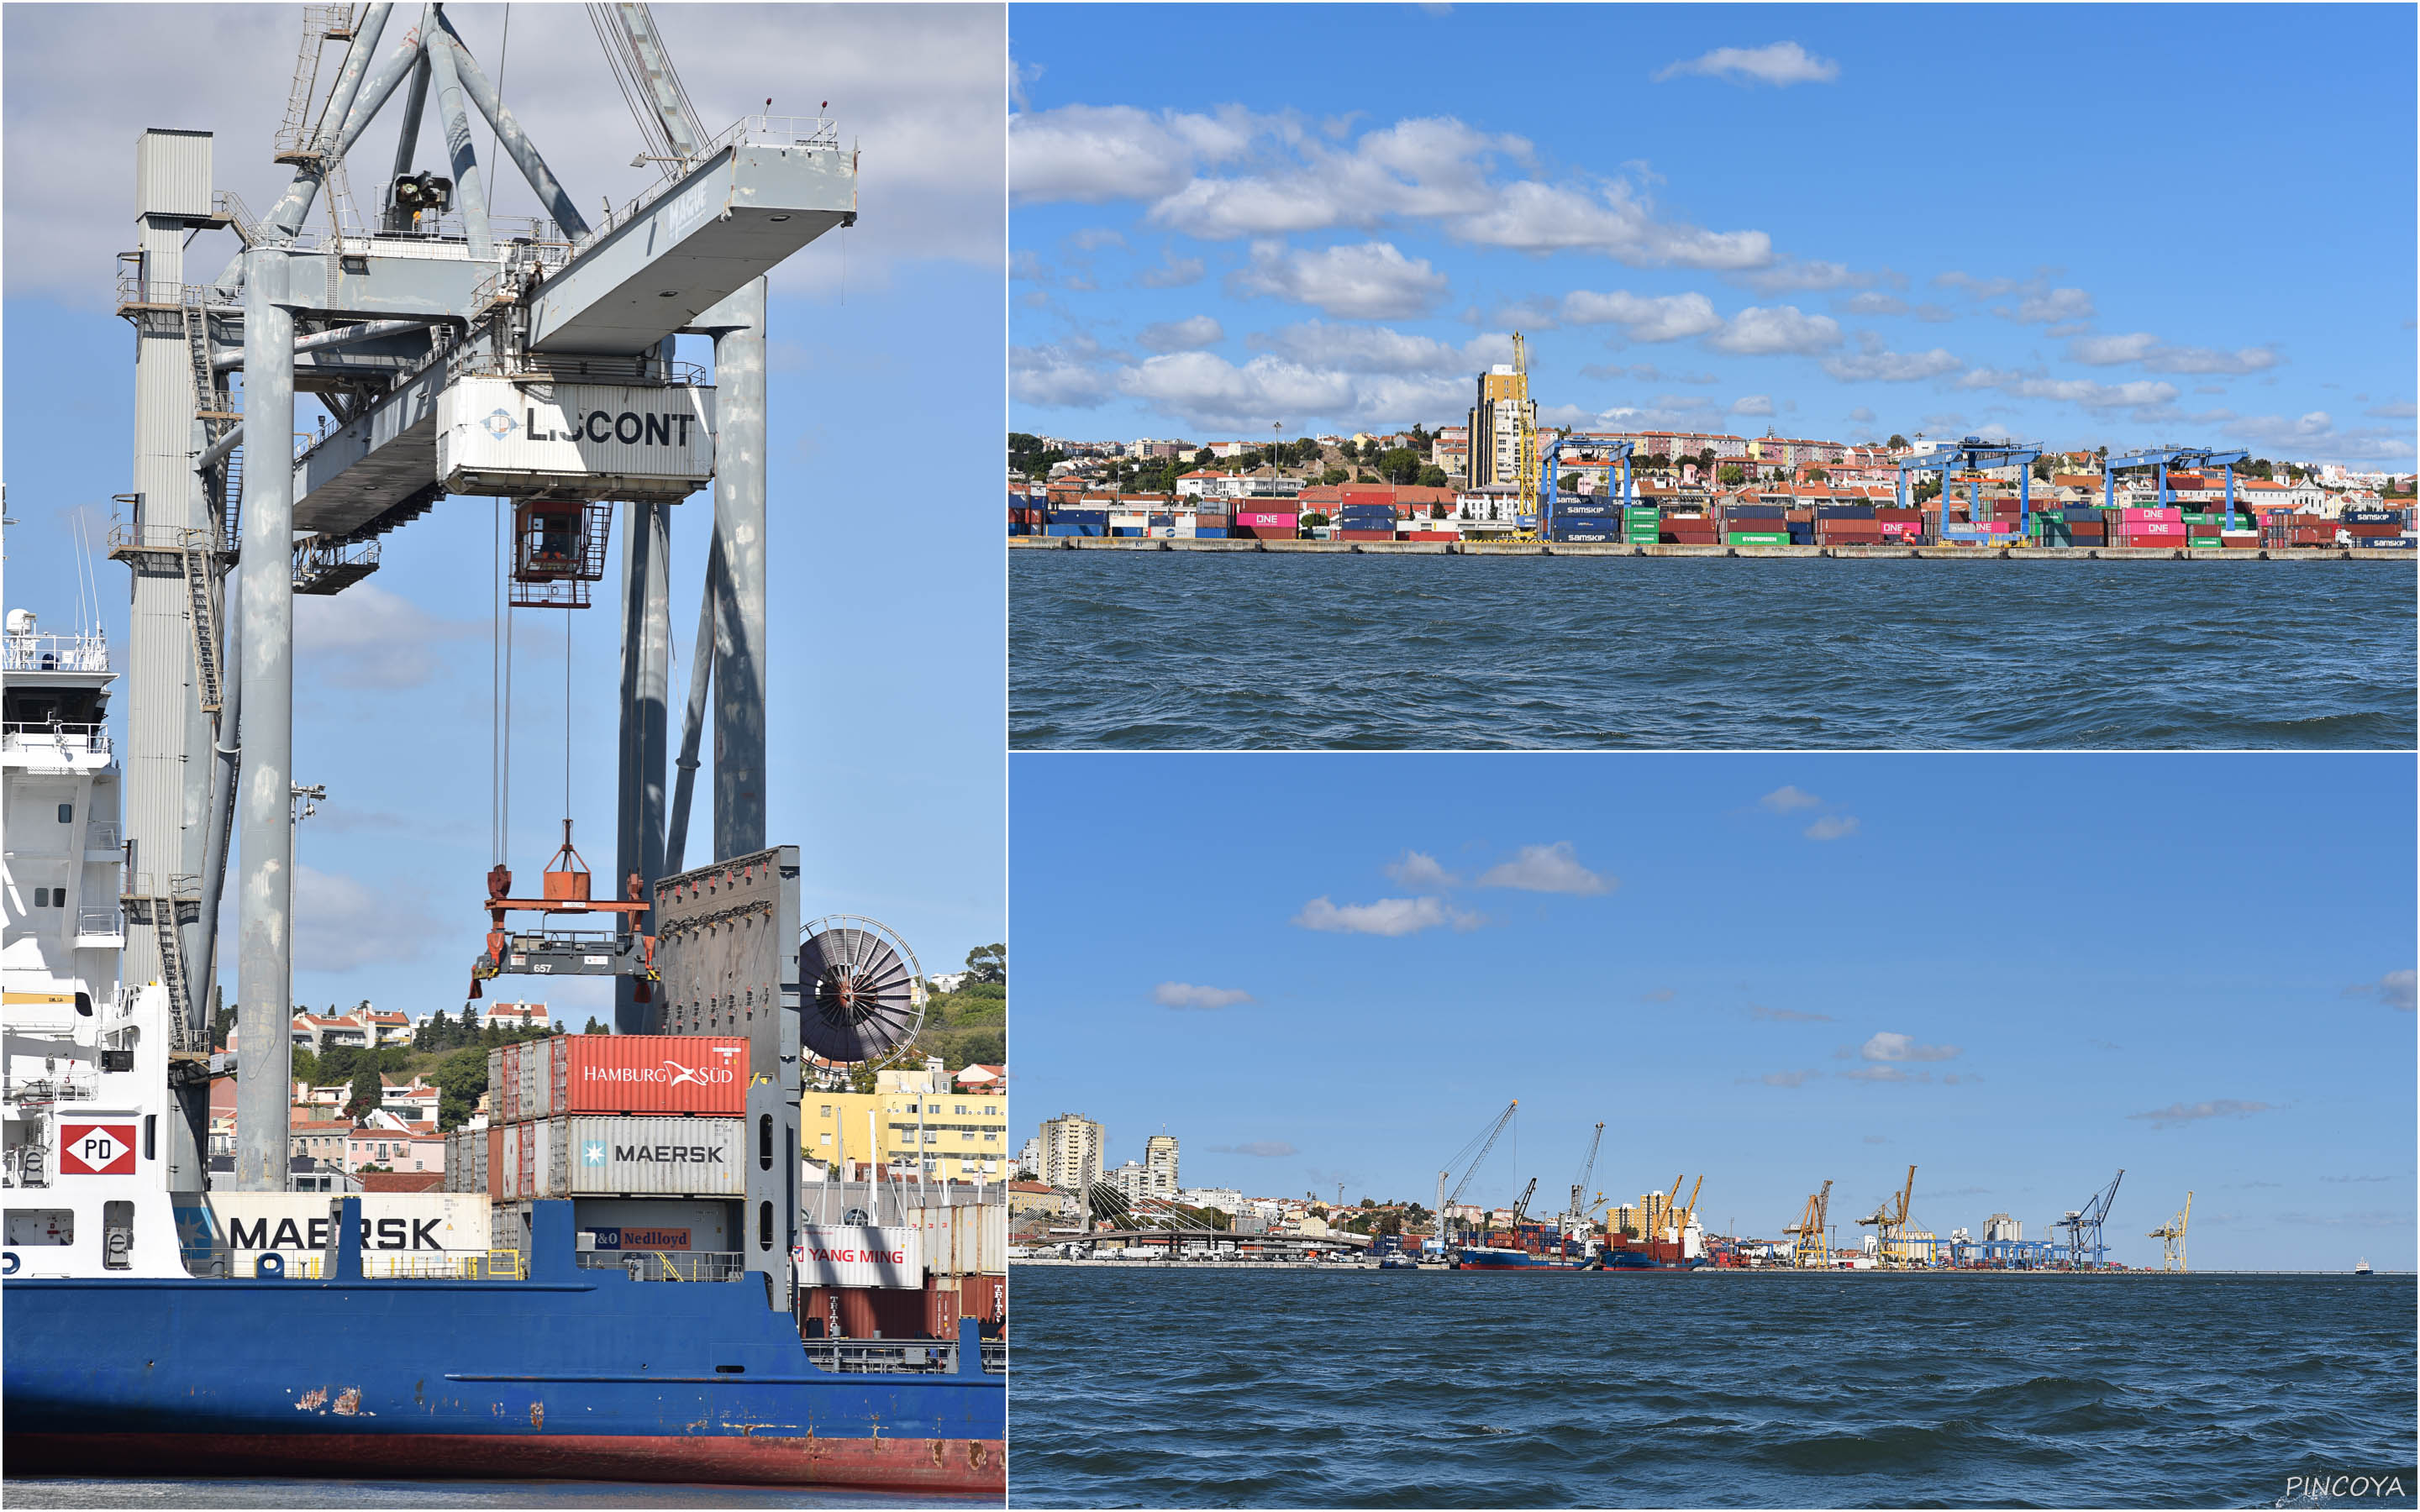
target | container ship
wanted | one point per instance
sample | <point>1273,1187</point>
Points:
<point>151,1330</point>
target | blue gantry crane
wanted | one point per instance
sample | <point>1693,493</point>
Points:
<point>1617,451</point>
<point>2160,459</point>
<point>2083,1247</point>
<point>1973,453</point>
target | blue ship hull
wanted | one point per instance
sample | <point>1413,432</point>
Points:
<point>574,1373</point>
<point>1514,1259</point>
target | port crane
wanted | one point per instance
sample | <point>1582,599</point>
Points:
<point>1681,1223</point>
<point>2171,1236</point>
<point>1577,1210</point>
<point>1811,1252</point>
<point>1526,459</point>
<point>1484,1144</point>
<point>1521,1207</point>
<point>1618,451</point>
<point>1891,1223</point>
<point>2160,459</point>
<point>2082,1226</point>
<point>1972,454</point>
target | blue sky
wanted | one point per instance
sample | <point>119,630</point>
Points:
<point>2019,973</point>
<point>886,602</point>
<point>2077,225</point>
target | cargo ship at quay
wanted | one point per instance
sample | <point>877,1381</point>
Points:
<point>631,1275</point>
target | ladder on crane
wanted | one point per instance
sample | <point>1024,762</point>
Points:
<point>202,615</point>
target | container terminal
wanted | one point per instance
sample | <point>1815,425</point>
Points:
<point>1938,508</point>
<point>632,1275</point>
<point>1658,1232</point>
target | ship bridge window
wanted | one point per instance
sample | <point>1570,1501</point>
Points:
<point>67,813</point>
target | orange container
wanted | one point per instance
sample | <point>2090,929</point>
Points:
<point>705,1074</point>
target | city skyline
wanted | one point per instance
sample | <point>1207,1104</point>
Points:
<point>2019,974</point>
<point>1347,249</point>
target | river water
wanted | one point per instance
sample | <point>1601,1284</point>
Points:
<point>1368,1388</point>
<point>1248,651</point>
<point>410,1495</point>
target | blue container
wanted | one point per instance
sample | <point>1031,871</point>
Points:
<point>1075,530</point>
<point>1125,529</point>
<point>1564,511</point>
<point>2386,543</point>
<point>1755,511</point>
<point>1019,528</point>
<point>2373,516</point>
<point>1210,532</point>
<point>1609,537</point>
<point>1079,516</point>
<point>1802,535</point>
<point>2076,516</point>
<point>1163,521</point>
<point>1844,512</point>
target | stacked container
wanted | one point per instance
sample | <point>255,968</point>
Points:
<point>1846,525</point>
<point>1641,524</point>
<point>1077,522</point>
<point>2152,527</point>
<point>2375,529</point>
<point>592,1115</point>
<point>1267,524</point>
<point>1586,521</point>
<point>1363,518</point>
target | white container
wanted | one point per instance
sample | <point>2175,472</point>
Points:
<point>295,1225</point>
<point>967,1240</point>
<point>611,440</point>
<point>834,1255</point>
<point>597,1156</point>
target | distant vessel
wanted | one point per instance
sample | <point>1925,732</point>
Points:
<point>1491,1257</point>
<point>2361,1267</point>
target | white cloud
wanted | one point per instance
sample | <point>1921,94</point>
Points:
<point>1441,172</point>
<point>1833,827</point>
<point>1752,404</point>
<point>1784,799</point>
<point>1182,335</point>
<point>1862,415</point>
<point>2160,357</point>
<point>1185,994</point>
<point>1173,272</point>
<point>1206,391</point>
<point>1789,1078</point>
<point>1790,275</point>
<point>1547,869</point>
<point>1785,1015</point>
<point>2395,989</point>
<point>2053,305</point>
<point>1981,288</point>
<point>374,639</point>
<point>1264,1148</point>
<point>1887,1046</point>
<point>1780,64</point>
<point>1871,303</point>
<point>1642,317</point>
<point>1878,366</point>
<point>1783,328</point>
<point>1386,916</point>
<point>340,924</point>
<point>2082,391</point>
<point>1092,153</point>
<point>1880,1074</point>
<point>1372,281</point>
<point>1357,348</point>
<point>1057,376</point>
<point>2178,1113</point>
<point>1418,870</point>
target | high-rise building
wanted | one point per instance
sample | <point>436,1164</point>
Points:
<point>914,1120</point>
<point>1495,427</point>
<point>1071,1152</point>
<point>1159,1165</point>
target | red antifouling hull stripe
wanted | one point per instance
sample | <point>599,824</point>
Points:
<point>922,1464</point>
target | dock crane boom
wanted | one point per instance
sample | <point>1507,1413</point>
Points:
<point>1810,1229</point>
<point>1588,1168</point>
<point>2082,1226</point>
<point>1485,1144</point>
<point>1681,1228</point>
<point>2171,1236</point>
<point>1521,1207</point>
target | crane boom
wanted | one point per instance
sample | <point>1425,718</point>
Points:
<point>1588,1168</point>
<point>1495,1131</point>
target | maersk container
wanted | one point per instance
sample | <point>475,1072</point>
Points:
<point>596,1156</point>
<point>495,436</point>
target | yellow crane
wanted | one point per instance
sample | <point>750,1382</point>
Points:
<point>1812,1253</point>
<point>1892,1224</point>
<point>1525,462</point>
<point>1681,1230</point>
<point>2171,1236</point>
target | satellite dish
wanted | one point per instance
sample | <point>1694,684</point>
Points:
<point>863,991</point>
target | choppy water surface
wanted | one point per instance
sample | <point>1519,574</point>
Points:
<point>1181,649</point>
<point>1366,1388</point>
<point>413,1495</point>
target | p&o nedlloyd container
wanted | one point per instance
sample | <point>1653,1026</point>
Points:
<point>515,437</point>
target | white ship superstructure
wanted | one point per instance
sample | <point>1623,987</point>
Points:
<point>80,1114</point>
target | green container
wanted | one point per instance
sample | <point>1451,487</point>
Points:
<point>2204,540</point>
<point>2201,519</point>
<point>1758,538</point>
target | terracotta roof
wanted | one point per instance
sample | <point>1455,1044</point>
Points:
<point>401,1181</point>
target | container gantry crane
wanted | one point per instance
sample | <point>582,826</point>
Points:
<point>1973,453</point>
<point>2160,459</point>
<point>1618,451</point>
<point>1891,1223</point>
<point>2085,1249</point>
<point>2171,1236</point>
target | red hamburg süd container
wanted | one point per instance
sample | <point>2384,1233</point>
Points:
<point>705,1074</point>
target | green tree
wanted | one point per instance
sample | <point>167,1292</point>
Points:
<point>336,1064</point>
<point>1926,490</point>
<point>1314,519</point>
<point>1897,441</point>
<point>988,964</point>
<point>1432,476</point>
<point>1333,477</point>
<point>459,1080</point>
<point>1732,474</point>
<point>2042,470</point>
<point>1401,465</point>
<point>592,1027</point>
<point>1367,476</point>
<point>364,1091</point>
<point>1817,476</point>
<point>306,1065</point>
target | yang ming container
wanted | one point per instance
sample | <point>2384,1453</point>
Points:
<point>611,1157</point>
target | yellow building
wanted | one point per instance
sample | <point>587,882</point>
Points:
<point>960,1136</point>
